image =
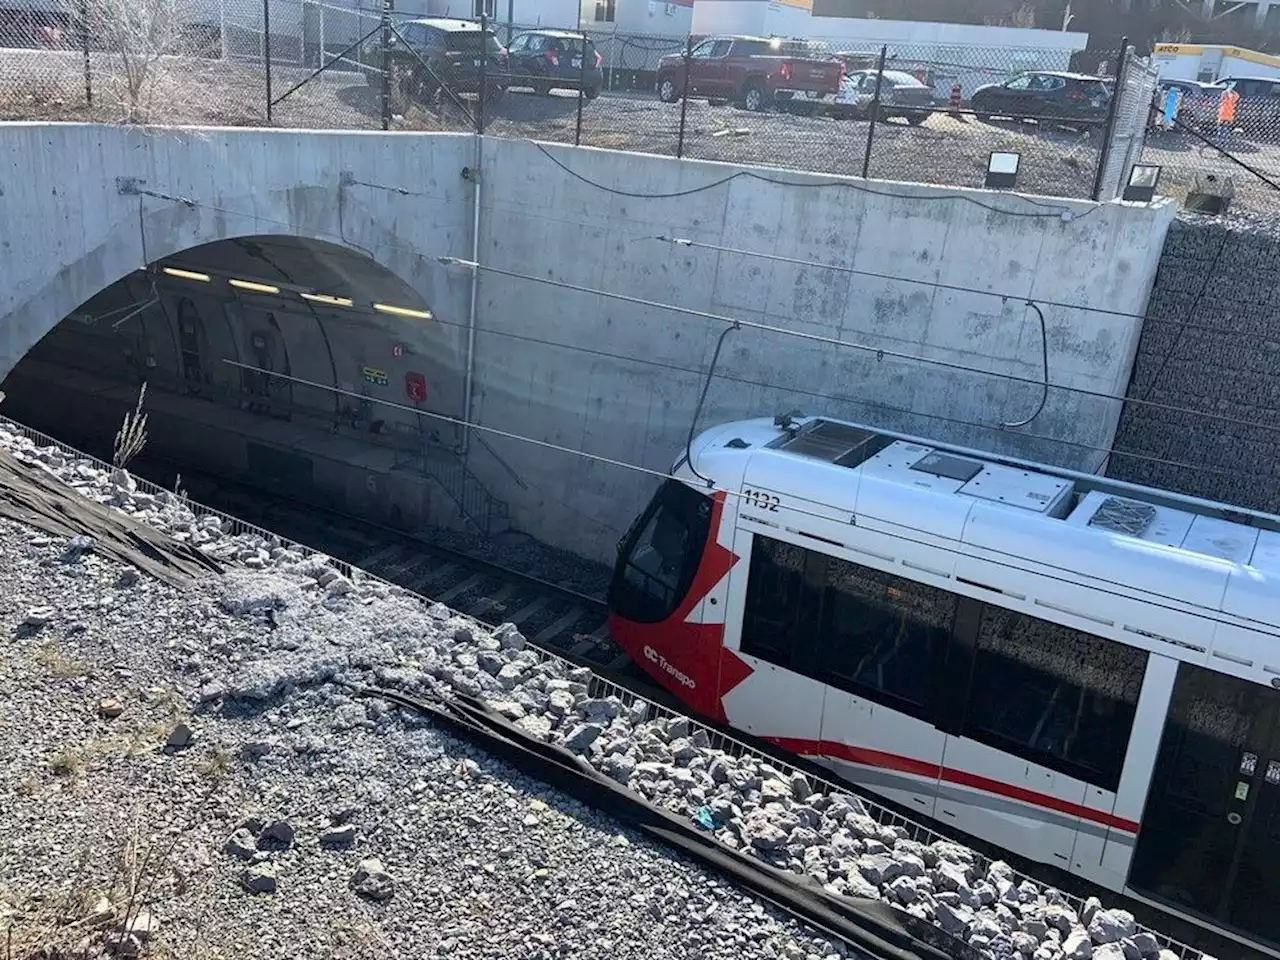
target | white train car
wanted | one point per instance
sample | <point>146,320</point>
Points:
<point>1081,671</point>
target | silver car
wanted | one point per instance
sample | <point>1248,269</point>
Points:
<point>901,95</point>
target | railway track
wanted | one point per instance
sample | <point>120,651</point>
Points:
<point>548,614</point>
<point>572,624</point>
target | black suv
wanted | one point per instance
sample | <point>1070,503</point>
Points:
<point>1072,98</point>
<point>553,59</point>
<point>431,53</point>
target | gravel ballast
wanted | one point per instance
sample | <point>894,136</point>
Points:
<point>206,736</point>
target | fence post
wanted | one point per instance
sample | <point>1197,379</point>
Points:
<point>484,72</point>
<point>875,112</point>
<point>582,90</point>
<point>266,50</point>
<point>386,64</point>
<point>1104,152</point>
<point>684,94</point>
<point>84,44</point>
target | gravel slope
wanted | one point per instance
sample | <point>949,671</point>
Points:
<point>469,852</point>
<point>475,859</point>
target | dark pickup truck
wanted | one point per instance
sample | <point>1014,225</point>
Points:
<point>754,72</point>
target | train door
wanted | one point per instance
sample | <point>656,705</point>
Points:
<point>780,700</point>
<point>881,639</point>
<point>1035,755</point>
<point>1210,836</point>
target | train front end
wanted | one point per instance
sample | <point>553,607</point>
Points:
<point>656,599</point>
<point>668,600</point>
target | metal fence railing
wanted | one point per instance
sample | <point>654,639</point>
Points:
<point>930,113</point>
<point>1217,139</point>
<point>1134,95</point>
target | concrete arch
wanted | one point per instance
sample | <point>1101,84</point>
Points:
<point>201,187</point>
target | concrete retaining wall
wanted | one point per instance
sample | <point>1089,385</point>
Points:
<point>621,379</point>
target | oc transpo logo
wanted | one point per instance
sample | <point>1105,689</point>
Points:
<point>653,656</point>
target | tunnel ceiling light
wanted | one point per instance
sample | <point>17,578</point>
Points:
<point>327,299</point>
<point>402,311</point>
<point>186,274</point>
<point>254,287</point>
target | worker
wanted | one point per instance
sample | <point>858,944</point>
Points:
<point>1171,103</point>
<point>1227,111</point>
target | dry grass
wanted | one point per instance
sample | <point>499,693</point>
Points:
<point>106,892</point>
<point>69,762</point>
<point>53,662</point>
<point>216,762</point>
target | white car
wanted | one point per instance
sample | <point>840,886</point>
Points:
<point>901,95</point>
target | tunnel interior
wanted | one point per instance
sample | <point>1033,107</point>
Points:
<point>276,370</point>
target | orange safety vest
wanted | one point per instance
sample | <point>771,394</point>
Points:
<point>1227,106</point>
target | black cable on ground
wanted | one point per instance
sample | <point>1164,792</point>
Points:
<point>872,927</point>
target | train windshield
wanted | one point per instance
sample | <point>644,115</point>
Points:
<point>659,555</point>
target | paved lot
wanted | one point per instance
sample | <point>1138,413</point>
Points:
<point>45,85</point>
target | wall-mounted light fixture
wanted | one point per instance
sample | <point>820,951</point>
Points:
<point>1143,179</point>
<point>327,299</point>
<point>186,274</point>
<point>253,286</point>
<point>1002,170</point>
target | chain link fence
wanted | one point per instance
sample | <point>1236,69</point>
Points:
<point>1217,141</point>
<point>929,113</point>
<point>1135,89</point>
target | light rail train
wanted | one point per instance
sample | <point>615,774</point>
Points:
<point>1081,671</point>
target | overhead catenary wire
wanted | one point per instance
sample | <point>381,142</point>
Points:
<point>879,352</point>
<point>995,427</point>
<point>1102,311</point>
<point>938,284</point>
<point>664,474</point>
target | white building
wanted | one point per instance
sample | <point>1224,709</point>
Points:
<point>662,18</point>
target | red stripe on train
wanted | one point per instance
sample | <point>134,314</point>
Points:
<point>921,768</point>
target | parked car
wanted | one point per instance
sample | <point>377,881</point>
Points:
<point>1258,112</point>
<point>441,52</point>
<point>1076,99</point>
<point>857,60</point>
<point>901,95</point>
<point>553,60</point>
<point>755,72</point>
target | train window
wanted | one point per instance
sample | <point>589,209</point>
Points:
<point>881,633</point>
<point>774,586</point>
<point>659,555</point>
<point>1053,695</point>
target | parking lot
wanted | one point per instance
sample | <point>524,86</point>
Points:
<point>48,85</point>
